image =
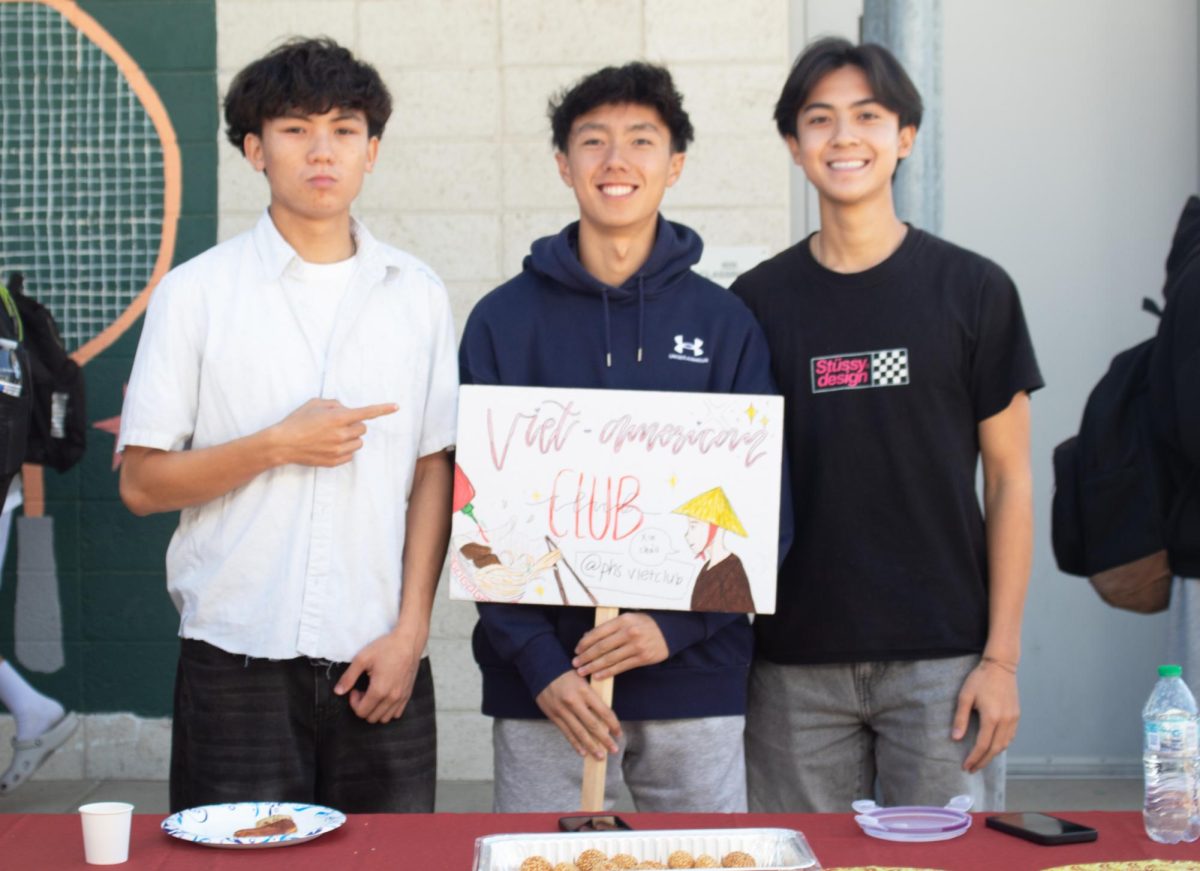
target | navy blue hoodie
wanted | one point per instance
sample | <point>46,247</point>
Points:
<point>666,328</point>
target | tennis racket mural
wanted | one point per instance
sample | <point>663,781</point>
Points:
<point>91,189</point>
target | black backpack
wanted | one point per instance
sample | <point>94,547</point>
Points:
<point>1127,488</point>
<point>58,429</point>
<point>16,392</point>
<point>1175,390</point>
<point>1113,494</point>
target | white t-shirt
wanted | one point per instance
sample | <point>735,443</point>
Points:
<point>314,293</point>
<point>300,561</point>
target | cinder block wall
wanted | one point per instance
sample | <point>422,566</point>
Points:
<point>466,178</point>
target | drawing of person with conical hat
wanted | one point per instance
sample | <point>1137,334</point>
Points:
<point>722,584</point>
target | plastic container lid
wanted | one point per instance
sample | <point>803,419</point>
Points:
<point>914,824</point>
<point>1170,671</point>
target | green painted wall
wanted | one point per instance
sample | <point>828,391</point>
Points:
<point>118,623</point>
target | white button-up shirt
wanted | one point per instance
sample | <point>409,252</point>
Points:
<point>301,561</point>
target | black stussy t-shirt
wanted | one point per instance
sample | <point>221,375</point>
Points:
<point>886,374</point>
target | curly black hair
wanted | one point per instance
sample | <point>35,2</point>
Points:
<point>889,83</point>
<point>312,76</point>
<point>638,82</point>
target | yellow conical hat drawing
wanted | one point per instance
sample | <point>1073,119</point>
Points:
<point>713,507</point>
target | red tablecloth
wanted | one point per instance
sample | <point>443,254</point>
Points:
<point>446,842</point>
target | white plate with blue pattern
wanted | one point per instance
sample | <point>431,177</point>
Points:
<point>213,825</point>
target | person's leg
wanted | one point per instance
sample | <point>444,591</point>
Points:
<point>33,712</point>
<point>1183,629</point>
<point>239,733</point>
<point>42,724</point>
<point>807,748</point>
<point>538,771</point>
<point>375,767</point>
<point>42,727</point>
<point>911,707</point>
<point>686,766</point>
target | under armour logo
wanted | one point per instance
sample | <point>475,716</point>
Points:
<point>696,347</point>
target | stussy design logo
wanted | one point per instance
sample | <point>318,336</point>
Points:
<point>860,370</point>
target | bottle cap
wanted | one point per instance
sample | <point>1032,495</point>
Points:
<point>1170,671</point>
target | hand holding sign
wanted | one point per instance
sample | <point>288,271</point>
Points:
<point>581,715</point>
<point>615,498</point>
<point>629,641</point>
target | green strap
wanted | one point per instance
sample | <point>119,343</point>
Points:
<point>11,307</point>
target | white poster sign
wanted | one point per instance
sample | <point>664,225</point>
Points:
<point>617,498</point>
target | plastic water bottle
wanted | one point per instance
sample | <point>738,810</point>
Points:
<point>1171,751</point>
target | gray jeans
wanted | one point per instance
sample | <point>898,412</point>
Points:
<point>692,766</point>
<point>820,736</point>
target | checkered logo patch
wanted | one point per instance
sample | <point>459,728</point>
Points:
<point>889,367</point>
<point>860,370</point>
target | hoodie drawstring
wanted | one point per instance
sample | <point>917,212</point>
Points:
<point>607,328</point>
<point>608,321</point>
<point>641,313</point>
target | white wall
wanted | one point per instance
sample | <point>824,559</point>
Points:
<point>466,178</point>
<point>1070,146</point>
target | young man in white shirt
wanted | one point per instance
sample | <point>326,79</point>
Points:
<point>294,394</point>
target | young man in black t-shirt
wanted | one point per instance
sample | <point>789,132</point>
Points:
<point>904,360</point>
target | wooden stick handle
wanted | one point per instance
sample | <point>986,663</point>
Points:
<point>594,770</point>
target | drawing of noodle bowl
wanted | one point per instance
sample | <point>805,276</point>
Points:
<point>503,577</point>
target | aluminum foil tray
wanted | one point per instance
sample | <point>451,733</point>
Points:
<point>775,849</point>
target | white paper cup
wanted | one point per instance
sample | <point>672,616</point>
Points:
<point>106,832</point>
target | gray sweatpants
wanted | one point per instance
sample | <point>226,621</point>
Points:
<point>692,766</point>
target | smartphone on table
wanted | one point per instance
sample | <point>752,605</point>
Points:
<point>593,823</point>
<point>1041,828</point>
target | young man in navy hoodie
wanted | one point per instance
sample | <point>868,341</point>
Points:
<point>604,304</point>
<point>904,361</point>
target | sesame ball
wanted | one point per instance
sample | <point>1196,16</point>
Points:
<point>681,859</point>
<point>537,863</point>
<point>591,860</point>
<point>737,859</point>
<point>706,861</point>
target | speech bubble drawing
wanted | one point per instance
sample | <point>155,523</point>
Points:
<point>651,547</point>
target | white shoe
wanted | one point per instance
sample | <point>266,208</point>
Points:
<point>29,755</point>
